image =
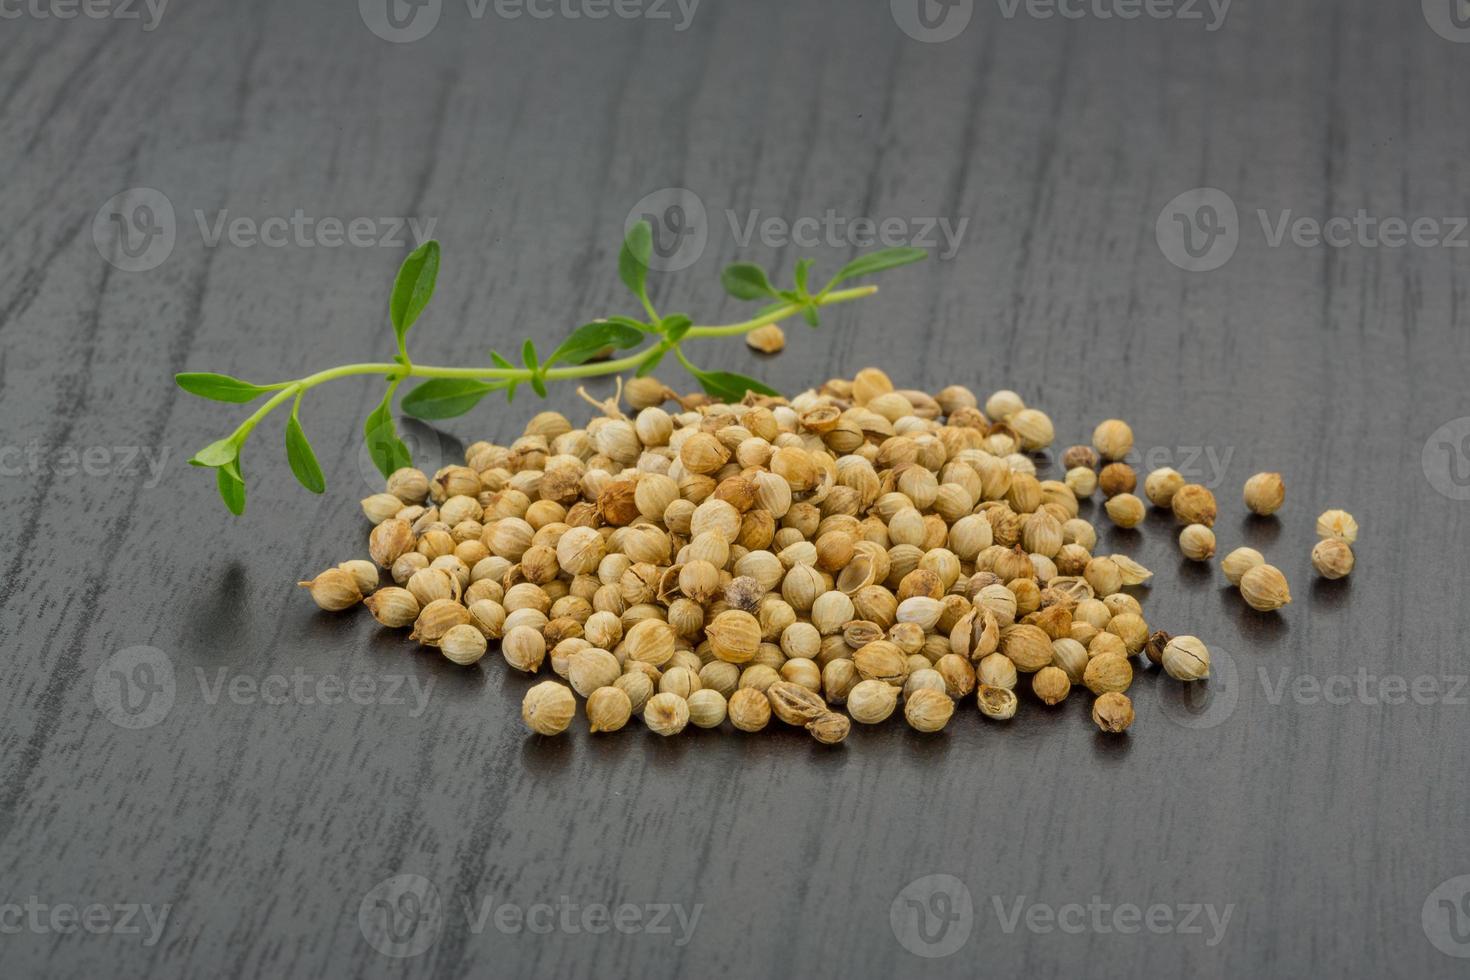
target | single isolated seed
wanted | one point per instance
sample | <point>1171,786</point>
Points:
<point>1197,542</point>
<point>1194,504</point>
<point>1265,493</point>
<point>1112,712</point>
<point>1264,588</point>
<point>1125,510</point>
<point>1112,439</point>
<point>1332,558</point>
<point>770,339</point>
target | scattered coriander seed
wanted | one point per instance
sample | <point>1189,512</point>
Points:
<point>770,339</point>
<point>1154,648</point>
<point>1264,588</point>
<point>1332,558</point>
<point>1186,658</point>
<point>393,607</point>
<point>749,709</point>
<point>1082,481</point>
<point>794,704</point>
<point>1003,404</point>
<point>334,590</point>
<point>1264,493</point>
<point>1337,524</point>
<point>997,703</point>
<point>666,714</point>
<point>547,708</point>
<point>608,709</point>
<point>1051,685</point>
<point>1112,712</point>
<point>927,710</point>
<point>1112,439</point>
<point>1197,542</point>
<point>1079,457</point>
<point>1194,504</point>
<point>1125,510</point>
<point>1117,478</point>
<point>1161,485</point>
<point>1240,561</point>
<point>830,729</point>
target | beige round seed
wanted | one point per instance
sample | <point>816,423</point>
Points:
<point>1186,658</point>
<point>666,714</point>
<point>749,709</point>
<point>928,710</point>
<point>1337,524</point>
<point>996,703</point>
<point>1197,542</point>
<point>334,590</point>
<point>707,708</point>
<point>871,701</point>
<point>608,709</point>
<point>1051,685</point>
<point>1125,509</point>
<point>1264,493</point>
<point>1112,712</point>
<point>1331,557</point>
<point>1264,588</point>
<point>547,708</point>
<point>1240,561</point>
<point>464,645</point>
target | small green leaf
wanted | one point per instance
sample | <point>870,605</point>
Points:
<point>651,362</point>
<point>386,449</point>
<point>633,260</point>
<point>628,321</point>
<point>528,355</point>
<point>219,387</point>
<point>746,280</point>
<point>446,398</point>
<point>231,487</point>
<point>888,258</point>
<point>730,387</point>
<point>216,454</point>
<point>500,361</point>
<point>413,288</point>
<point>301,457</point>
<point>675,327</point>
<point>810,312</point>
<point>593,339</point>
<point>803,269</point>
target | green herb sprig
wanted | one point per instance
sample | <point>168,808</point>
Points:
<point>453,391</point>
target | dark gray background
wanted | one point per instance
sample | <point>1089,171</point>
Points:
<point>1326,826</point>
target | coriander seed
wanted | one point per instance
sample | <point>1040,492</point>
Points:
<point>830,729</point>
<point>1051,685</point>
<point>707,708</point>
<point>1125,510</point>
<point>666,714</point>
<point>1240,561</point>
<point>749,709</point>
<point>1108,672</point>
<point>996,703</point>
<point>770,339</point>
<point>1264,493</point>
<point>1186,658</point>
<point>334,590</point>
<point>1332,558</point>
<point>463,645</point>
<point>1194,504</point>
<point>394,607</point>
<point>871,701</point>
<point>1161,485</point>
<point>1337,524</point>
<point>548,707</point>
<point>927,710</point>
<point>1112,712</point>
<point>608,709</point>
<point>1116,478</point>
<point>1264,588</point>
<point>1113,439</point>
<point>1197,542</point>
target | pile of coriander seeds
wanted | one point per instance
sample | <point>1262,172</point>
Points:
<point>855,553</point>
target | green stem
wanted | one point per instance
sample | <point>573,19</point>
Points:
<point>286,390</point>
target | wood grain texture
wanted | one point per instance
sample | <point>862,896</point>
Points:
<point>1326,826</point>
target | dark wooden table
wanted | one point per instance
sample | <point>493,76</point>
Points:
<point>1315,791</point>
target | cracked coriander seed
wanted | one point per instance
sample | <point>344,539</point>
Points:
<point>1332,558</point>
<point>1264,493</point>
<point>1112,712</point>
<point>1186,658</point>
<point>830,729</point>
<point>996,703</point>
